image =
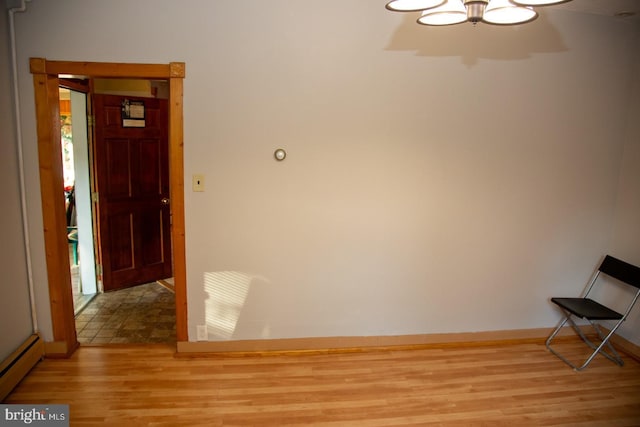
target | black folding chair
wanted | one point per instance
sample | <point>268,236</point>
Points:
<point>592,311</point>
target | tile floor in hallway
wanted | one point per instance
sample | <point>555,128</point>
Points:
<point>142,314</point>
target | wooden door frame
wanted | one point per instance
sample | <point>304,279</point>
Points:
<point>45,83</point>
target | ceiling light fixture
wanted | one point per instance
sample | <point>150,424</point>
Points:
<point>449,12</point>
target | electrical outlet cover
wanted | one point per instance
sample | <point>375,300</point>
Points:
<point>201,332</point>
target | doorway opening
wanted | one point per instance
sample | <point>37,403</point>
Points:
<point>145,314</point>
<point>47,76</point>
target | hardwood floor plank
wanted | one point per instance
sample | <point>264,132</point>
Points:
<point>510,384</point>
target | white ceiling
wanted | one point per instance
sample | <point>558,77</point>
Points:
<point>602,7</point>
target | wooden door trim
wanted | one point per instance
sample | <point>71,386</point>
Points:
<point>46,81</point>
<point>176,195</point>
<point>107,69</point>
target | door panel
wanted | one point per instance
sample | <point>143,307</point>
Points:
<point>117,164</point>
<point>121,240</point>
<point>132,181</point>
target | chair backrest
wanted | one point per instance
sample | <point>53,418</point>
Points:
<point>621,270</point>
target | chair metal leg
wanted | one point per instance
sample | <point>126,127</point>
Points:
<point>552,336</point>
<point>616,355</point>
<point>604,341</point>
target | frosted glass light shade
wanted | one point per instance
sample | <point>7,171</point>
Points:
<point>503,12</point>
<point>452,12</point>
<point>538,2</point>
<point>412,5</point>
<point>448,12</point>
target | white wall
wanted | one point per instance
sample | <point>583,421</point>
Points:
<point>15,311</point>
<point>626,238</point>
<point>437,179</point>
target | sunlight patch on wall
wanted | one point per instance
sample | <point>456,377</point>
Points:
<point>226,295</point>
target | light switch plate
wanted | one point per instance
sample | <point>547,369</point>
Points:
<point>198,182</point>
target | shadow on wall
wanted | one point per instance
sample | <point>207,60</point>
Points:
<point>226,295</point>
<point>473,42</point>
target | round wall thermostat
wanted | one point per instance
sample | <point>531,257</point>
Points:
<point>279,154</point>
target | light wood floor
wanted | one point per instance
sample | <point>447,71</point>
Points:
<point>511,384</point>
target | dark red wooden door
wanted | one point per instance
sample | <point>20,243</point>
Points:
<point>132,180</point>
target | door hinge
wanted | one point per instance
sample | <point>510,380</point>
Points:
<point>94,197</point>
<point>91,121</point>
<point>99,269</point>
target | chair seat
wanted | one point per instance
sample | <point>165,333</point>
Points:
<point>587,308</point>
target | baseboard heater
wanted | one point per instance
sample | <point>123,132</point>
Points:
<point>15,367</point>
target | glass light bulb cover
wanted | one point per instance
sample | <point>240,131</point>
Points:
<point>452,12</point>
<point>503,12</point>
<point>538,2</point>
<point>413,5</point>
